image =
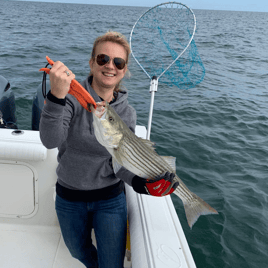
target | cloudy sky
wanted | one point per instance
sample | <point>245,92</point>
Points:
<point>235,5</point>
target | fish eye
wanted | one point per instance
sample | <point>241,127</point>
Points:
<point>111,119</point>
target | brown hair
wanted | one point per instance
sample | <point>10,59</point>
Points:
<point>114,37</point>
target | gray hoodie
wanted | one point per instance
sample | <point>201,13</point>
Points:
<point>83,164</point>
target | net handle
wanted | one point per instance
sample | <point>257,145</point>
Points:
<point>166,3</point>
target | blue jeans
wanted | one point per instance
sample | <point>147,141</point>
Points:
<point>109,220</point>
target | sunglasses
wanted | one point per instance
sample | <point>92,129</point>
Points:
<point>103,59</point>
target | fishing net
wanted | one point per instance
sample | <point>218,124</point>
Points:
<point>162,44</point>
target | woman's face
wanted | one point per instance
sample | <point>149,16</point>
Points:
<point>108,75</point>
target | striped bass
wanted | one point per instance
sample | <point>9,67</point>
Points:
<point>138,156</point>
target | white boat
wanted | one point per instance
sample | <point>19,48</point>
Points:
<point>30,235</point>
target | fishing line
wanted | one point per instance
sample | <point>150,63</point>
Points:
<point>162,44</point>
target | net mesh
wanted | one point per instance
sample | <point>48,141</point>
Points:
<point>157,40</point>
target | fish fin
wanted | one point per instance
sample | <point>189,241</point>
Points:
<point>116,165</point>
<point>171,161</point>
<point>147,143</point>
<point>194,207</point>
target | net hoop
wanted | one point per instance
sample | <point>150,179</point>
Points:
<point>190,40</point>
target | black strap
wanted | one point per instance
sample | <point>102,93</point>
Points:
<point>44,85</point>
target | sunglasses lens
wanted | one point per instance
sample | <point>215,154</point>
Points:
<point>119,63</point>
<point>102,59</point>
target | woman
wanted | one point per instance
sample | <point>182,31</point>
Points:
<point>89,194</point>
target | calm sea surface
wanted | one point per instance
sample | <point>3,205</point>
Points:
<point>218,130</point>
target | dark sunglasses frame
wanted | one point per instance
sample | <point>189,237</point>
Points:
<point>103,59</point>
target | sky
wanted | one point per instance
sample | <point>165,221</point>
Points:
<point>234,5</point>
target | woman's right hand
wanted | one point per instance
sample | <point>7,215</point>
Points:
<point>59,80</point>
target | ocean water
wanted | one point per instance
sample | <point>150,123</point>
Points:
<point>218,130</point>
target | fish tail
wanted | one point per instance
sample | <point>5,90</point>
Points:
<point>194,207</point>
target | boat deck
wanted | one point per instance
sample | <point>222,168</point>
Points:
<point>36,246</point>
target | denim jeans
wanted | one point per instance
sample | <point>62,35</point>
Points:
<point>109,220</point>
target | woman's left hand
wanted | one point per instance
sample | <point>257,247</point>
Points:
<point>156,186</point>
